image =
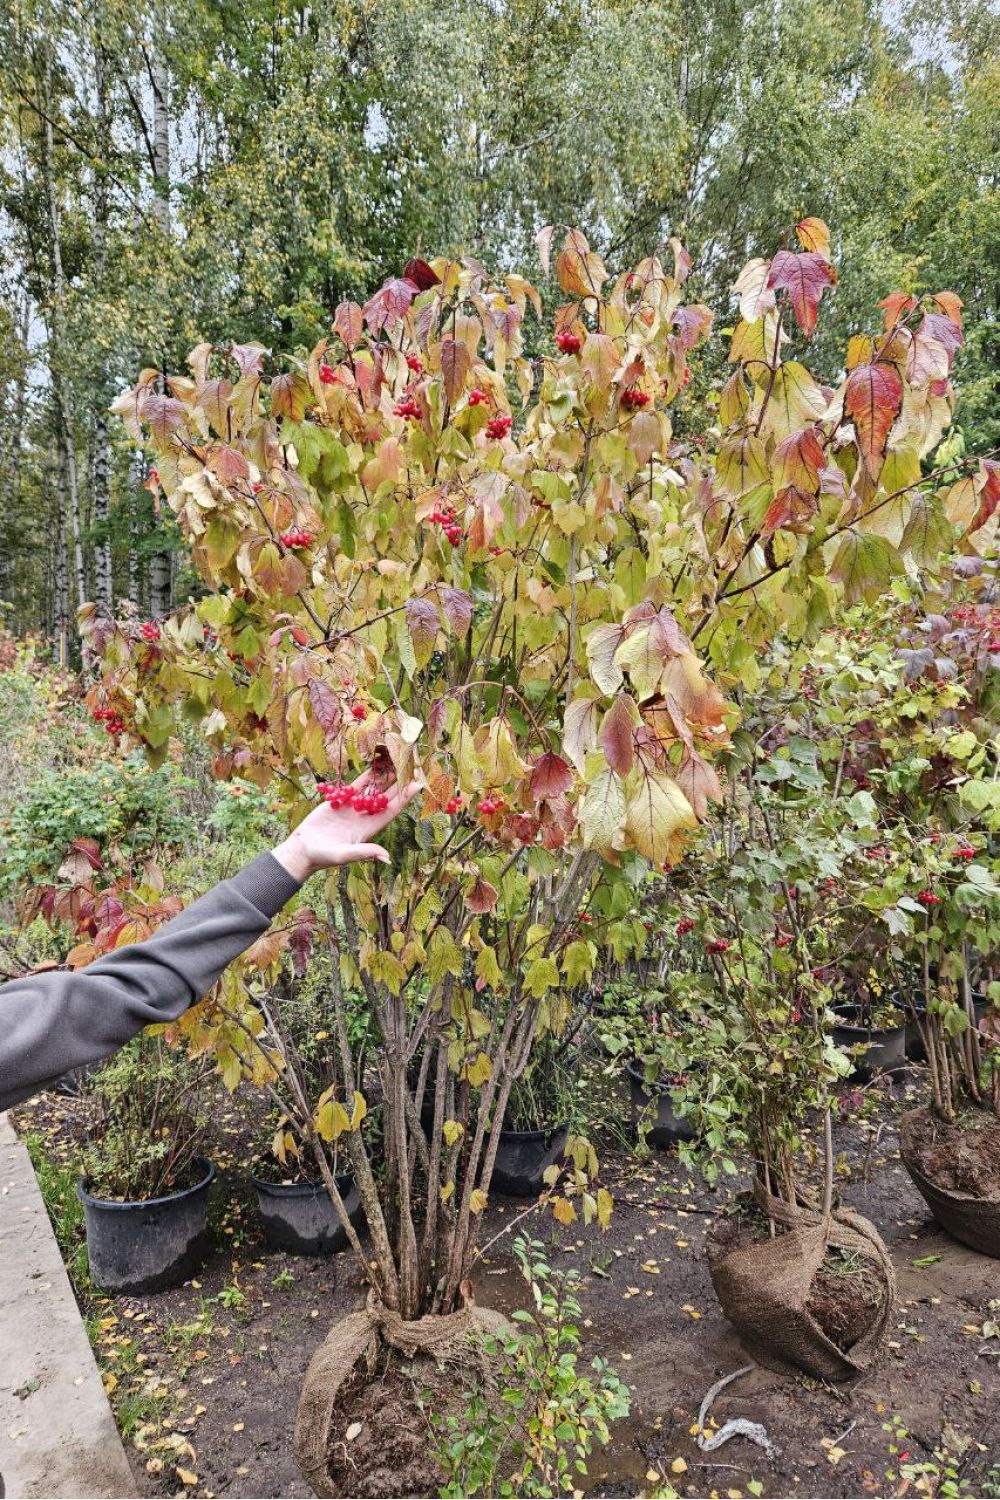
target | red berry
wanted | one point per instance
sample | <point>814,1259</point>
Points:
<point>717,945</point>
<point>359,711</point>
<point>477,397</point>
<point>453,805</point>
<point>295,538</point>
<point>150,631</point>
<point>153,474</point>
<point>928,898</point>
<point>965,851</point>
<point>415,363</point>
<point>684,926</point>
<point>327,375</point>
<point>632,398</point>
<point>569,342</point>
<point>257,488</point>
<point>407,408</point>
<point>498,427</point>
<point>783,940</point>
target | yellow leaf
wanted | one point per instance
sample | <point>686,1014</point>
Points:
<point>679,1466</point>
<point>187,1478</point>
<point>446,1192</point>
<point>110,1381</point>
<point>563,1211</point>
<point>452,1131</point>
<point>359,1111</point>
<point>478,1201</point>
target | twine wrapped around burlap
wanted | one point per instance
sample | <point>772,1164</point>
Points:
<point>764,1289</point>
<point>972,1219</point>
<point>446,1338</point>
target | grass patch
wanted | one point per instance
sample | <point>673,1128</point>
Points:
<point>57,1182</point>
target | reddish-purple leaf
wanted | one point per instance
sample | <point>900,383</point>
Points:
<point>301,940</point>
<point>389,303</point>
<point>616,737</point>
<point>457,607</point>
<point>550,776</point>
<point>422,618</point>
<point>347,321</point>
<point>421,274</point>
<point>481,896</point>
<point>945,330</point>
<point>804,277</point>
<point>791,509</point>
<point>872,401</point>
<point>325,705</point>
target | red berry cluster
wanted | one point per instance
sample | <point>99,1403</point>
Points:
<point>568,342</point>
<point>359,711</point>
<point>415,363</point>
<point>448,521</point>
<point>153,474</point>
<point>928,898</point>
<point>453,805</point>
<point>585,917</point>
<point>498,427</point>
<point>966,852</point>
<point>336,795</point>
<point>296,538</point>
<point>783,940</point>
<point>684,926</point>
<point>477,397</point>
<point>327,374</point>
<point>632,398</point>
<point>717,945</point>
<point>110,720</point>
<point>150,631</point>
<point>407,408</point>
<point>876,852</point>
<point>490,805</point>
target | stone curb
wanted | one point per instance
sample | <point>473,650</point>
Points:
<point>58,1438</point>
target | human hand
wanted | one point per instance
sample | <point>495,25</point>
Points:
<point>337,836</point>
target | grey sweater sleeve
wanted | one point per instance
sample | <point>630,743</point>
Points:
<point>58,1020</point>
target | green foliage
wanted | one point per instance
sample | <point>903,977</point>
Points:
<point>57,1183</point>
<point>532,1430</point>
<point>124,807</point>
<point>149,1124</point>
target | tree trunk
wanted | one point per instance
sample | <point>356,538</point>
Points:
<point>134,482</point>
<point>101,485</point>
<point>60,386</point>
<point>60,612</point>
<point>160,563</point>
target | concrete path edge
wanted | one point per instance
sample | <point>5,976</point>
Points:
<point>58,1439</point>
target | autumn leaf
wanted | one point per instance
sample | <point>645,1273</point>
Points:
<point>481,896</point>
<point>602,814</point>
<point>657,811</point>
<point>872,400</point>
<point>421,274</point>
<point>617,734</point>
<point>348,322</point>
<point>550,776</point>
<point>804,277</point>
<point>814,236</point>
<point>456,362</point>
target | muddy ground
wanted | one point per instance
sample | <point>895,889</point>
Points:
<point>204,1379</point>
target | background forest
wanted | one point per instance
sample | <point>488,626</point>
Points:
<point>219,170</point>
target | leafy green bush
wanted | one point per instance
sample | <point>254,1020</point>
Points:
<point>120,805</point>
<point>150,1125</point>
<point>535,1432</point>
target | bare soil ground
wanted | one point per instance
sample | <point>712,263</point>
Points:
<point>205,1378</point>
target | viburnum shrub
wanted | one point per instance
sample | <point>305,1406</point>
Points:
<point>905,706</point>
<point>512,568</point>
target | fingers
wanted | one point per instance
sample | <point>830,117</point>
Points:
<point>402,797</point>
<point>370,851</point>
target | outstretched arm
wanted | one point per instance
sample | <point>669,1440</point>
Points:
<point>58,1020</point>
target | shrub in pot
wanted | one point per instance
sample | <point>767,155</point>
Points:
<point>760,919</point>
<point>146,1176</point>
<point>399,578</point>
<point>535,1134</point>
<point>297,1211</point>
<point>926,750</point>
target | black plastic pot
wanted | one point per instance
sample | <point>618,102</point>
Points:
<point>299,1217</point>
<point>148,1246</point>
<point>667,1126</point>
<point>522,1159</point>
<point>884,1049</point>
